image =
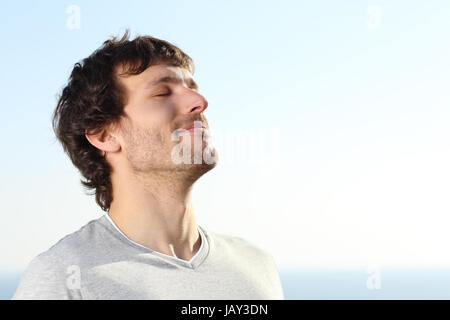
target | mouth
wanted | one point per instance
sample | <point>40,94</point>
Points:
<point>197,125</point>
<point>196,129</point>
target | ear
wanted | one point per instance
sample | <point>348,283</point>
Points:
<point>102,140</point>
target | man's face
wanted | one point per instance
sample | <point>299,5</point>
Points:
<point>160,101</point>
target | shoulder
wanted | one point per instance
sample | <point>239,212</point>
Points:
<point>251,259</point>
<point>74,247</point>
<point>77,243</point>
<point>48,275</point>
<point>237,245</point>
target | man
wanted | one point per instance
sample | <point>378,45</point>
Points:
<point>120,119</point>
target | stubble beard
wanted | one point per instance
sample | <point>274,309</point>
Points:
<point>149,155</point>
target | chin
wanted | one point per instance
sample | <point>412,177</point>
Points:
<point>193,154</point>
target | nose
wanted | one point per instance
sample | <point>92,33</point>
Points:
<point>197,103</point>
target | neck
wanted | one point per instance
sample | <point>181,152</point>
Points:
<point>156,211</point>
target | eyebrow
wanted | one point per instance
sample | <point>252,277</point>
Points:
<point>172,79</point>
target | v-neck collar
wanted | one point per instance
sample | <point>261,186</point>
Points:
<point>193,263</point>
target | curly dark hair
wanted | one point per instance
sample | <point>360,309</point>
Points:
<point>93,99</point>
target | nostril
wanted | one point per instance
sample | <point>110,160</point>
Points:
<point>196,108</point>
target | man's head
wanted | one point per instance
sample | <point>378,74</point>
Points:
<point>127,100</point>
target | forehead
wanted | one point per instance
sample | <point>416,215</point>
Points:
<point>155,72</point>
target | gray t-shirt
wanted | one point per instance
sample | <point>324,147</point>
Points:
<point>99,262</point>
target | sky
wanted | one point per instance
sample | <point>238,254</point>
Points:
<point>330,120</point>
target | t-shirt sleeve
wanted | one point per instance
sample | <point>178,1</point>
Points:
<point>267,267</point>
<point>46,278</point>
<point>275,277</point>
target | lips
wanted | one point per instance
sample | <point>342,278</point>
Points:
<point>192,127</point>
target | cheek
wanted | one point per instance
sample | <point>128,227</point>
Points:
<point>155,122</point>
<point>159,113</point>
<point>151,121</point>
<point>162,118</point>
